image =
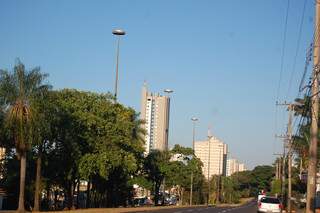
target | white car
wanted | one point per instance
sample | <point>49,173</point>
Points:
<point>269,204</point>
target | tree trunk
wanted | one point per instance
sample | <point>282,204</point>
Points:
<point>22,182</point>
<point>70,194</point>
<point>88,194</point>
<point>38,181</point>
<point>300,172</point>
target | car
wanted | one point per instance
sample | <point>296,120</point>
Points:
<point>269,204</point>
<point>260,196</point>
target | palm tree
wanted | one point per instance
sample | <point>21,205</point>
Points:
<point>18,91</point>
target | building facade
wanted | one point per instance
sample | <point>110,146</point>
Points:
<point>218,156</point>
<point>242,167</point>
<point>155,110</point>
<point>234,166</point>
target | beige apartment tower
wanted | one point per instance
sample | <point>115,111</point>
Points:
<point>155,112</point>
<point>218,156</point>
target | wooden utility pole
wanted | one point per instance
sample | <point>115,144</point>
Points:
<point>288,142</point>
<point>289,132</point>
<point>312,167</point>
<point>283,167</point>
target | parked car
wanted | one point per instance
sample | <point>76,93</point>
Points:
<point>269,204</point>
<point>142,202</point>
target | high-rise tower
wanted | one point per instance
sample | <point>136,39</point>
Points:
<point>155,112</point>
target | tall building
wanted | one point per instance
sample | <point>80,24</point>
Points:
<point>218,156</point>
<point>155,110</point>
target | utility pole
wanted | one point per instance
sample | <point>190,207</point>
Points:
<point>312,167</point>
<point>283,167</point>
<point>209,138</point>
<point>288,139</point>
<point>289,132</point>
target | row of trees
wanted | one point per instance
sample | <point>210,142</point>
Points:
<point>63,137</point>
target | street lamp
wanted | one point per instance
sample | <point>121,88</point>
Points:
<point>168,91</point>
<point>118,33</point>
<point>194,120</point>
<point>167,130</point>
<point>209,138</point>
<point>219,174</point>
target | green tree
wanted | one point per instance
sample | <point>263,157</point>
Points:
<point>156,166</point>
<point>95,140</point>
<point>42,135</point>
<point>18,91</point>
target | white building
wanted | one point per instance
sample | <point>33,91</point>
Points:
<point>234,166</point>
<point>155,112</point>
<point>242,167</point>
<point>218,156</point>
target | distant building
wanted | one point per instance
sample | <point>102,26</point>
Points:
<point>234,166</point>
<point>242,167</point>
<point>218,156</point>
<point>155,112</point>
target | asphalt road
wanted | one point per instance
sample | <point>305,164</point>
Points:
<point>247,208</point>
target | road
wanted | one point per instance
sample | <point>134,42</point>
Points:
<point>247,208</point>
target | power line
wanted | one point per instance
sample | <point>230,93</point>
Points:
<point>297,48</point>
<point>283,48</point>
<point>282,62</point>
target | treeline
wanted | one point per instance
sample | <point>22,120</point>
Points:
<point>56,139</point>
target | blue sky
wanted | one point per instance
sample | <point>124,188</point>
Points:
<point>221,58</point>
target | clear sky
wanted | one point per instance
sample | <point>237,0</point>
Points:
<point>221,58</point>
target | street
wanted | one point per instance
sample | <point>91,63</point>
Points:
<point>247,208</point>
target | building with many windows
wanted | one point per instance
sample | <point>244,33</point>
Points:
<point>234,166</point>
<point>218,156</point>
<point>155,112</point>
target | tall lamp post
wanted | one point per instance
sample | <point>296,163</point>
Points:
<point>118,33</point>
<point>219,175</point>
<point>194,120</point>
<point>209,138</point>
<point>168,91</point>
